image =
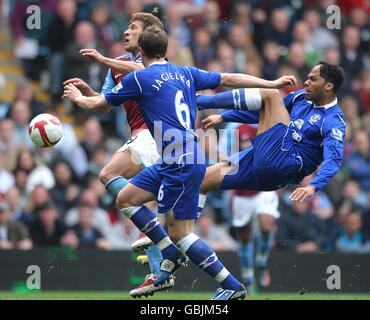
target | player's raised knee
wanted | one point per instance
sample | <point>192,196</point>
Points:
<point>105,175</point>
<point>268,94</point>
<point>122,201</point>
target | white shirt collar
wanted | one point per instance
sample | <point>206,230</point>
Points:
<point>158,62</point>
<point>329,105</point>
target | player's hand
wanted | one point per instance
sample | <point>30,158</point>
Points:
<point>285,81</point>
<point>211,121</point>
<point>93,54</point>
<point>301,194</point>
<point>71,92</point>
<point>80,85</point>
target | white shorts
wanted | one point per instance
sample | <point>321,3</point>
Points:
<point>246,208</point>
<point>142,146</point>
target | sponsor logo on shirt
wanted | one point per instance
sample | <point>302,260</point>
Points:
<point>337,134</point>
<point>296,136</point>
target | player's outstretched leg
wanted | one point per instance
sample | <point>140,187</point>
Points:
<point>114,176</point>
<point>199,252</point>
<point>128,201</point>
<point>206,259</point>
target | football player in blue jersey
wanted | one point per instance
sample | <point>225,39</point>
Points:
<point>296,135</point>
<point>167,101</point>
<point>140,150</point>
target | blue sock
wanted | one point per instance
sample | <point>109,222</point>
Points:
<point>148,223</point>
<point>155,258</point>
<point>264,244</point>
<point>115,185</point>
<point>246,258</point>
<point>205,258</point>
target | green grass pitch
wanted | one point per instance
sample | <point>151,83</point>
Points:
<point>105,295</point>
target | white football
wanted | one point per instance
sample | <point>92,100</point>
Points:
<point>45,130</point>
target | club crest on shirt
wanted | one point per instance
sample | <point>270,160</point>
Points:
<point>314,118</point>
<point>299,123</point>
<point>337,134</point>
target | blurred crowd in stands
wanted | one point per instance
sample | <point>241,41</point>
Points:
<point>54,197</point>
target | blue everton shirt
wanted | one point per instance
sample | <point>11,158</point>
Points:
<point>319,131</point>
<point>166,96</point>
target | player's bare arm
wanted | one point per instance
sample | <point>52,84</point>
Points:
<point>237,80</point>
<point>95,103</point>
<point>81,85</point>
<point>123,67</point>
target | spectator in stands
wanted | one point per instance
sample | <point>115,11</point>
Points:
<point>99,159</point>
<point>212,22</point>
<point>216,236</point>
<point>124,234</point>
<point>350,109</point>
<point>351,238</point>
<point>122,17</point>
<point>297,59</point>
<point>321,38</point>
<point>203,49</point>
<point>101,221</point>
<point>65,192</point>
<point>93,136</point>
<point>179,54</point>
<point>9,146</point>
<point>48,230</point>
<point>175,25</point>
<point>226,57</point>
<point>351,54</point>
<point>360,18</point>
<point>6,178</point>
<point>332,55</point>
<point>359,161</point>
<point>91,72</point>
<point>302,34</point>
<point>299,229</point>
<point>271,59</point>
<point>105,30</point>
<point>20,177</point>
<point>88,236</point>
<point>352,192</point>
<point>13,234</point>
<point>38,197</point>
<point>279,28</point>
<point>17,212</point>
<point>20,113</point>
<point>60,35</point>
<point>364,90</point>
<point>38,174</point>
<point>242,16</point>
<point>26,93</point>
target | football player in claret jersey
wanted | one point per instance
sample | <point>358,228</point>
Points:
<point>296,135</point>
<point>167,101</point>
<point>140,150</point>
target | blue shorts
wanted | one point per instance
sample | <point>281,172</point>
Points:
<point>176,186</point>
<point>270,164</point>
